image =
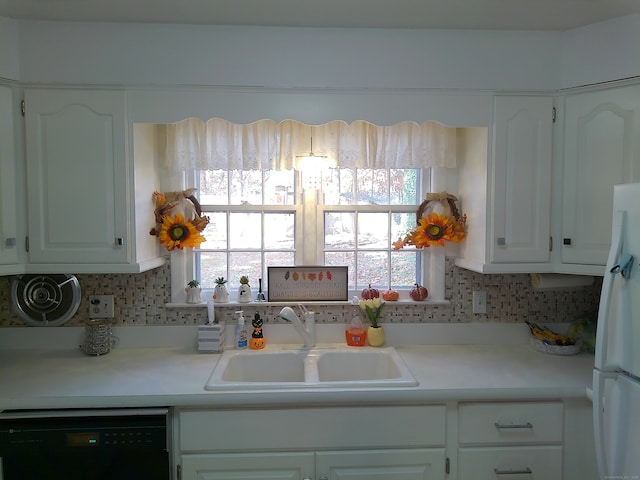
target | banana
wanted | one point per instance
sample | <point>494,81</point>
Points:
<point>548,336</point>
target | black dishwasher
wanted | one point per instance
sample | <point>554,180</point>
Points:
<point>113,444</point>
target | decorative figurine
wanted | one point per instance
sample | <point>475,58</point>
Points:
<point>257,341</point>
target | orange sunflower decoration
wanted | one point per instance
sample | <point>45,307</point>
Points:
<point>178,231</point>
<point>435,229</point>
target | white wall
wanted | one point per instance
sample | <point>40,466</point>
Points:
<point>602,51</point>
<point>9,52</point>
<point>143,54</point>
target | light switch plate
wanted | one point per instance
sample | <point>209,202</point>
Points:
<point>100,306</point>
<point>479,302</point>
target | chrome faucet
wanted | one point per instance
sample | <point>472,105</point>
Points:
<point>306,331</point>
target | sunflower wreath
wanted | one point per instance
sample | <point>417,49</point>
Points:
<point>434,228</point>
<point>175,229</point>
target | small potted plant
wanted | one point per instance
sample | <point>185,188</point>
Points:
<point>220,292</point>
<point>193,292</point>
<point>372,308</point>
<point>244,291</point>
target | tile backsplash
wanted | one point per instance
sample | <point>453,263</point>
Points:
<point>140,299</point>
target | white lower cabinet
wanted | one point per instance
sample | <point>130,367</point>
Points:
<point>489,463</point>
<point>382,443</point>
<point>510,440</point>
<point>403,464</point>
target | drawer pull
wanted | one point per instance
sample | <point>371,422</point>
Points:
<point>517,425</point>
<point>523,471</point>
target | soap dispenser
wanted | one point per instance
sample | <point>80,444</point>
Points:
<point>241,332</point>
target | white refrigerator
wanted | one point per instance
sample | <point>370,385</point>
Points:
<point>616,376</point>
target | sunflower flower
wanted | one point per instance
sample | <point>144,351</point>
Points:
<point>178,233</point>
<point>434,230</point>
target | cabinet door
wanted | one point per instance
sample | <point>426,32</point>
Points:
<point>602,149</point>
<point>522,143</point>
<point>8,178</point>
<point>413,464</point>
<point>248,466</point>
<point>76,176</point>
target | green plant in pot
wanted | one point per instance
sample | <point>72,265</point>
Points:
<point>220,292</point>
<point>244,291</point>
<point>193,291</point>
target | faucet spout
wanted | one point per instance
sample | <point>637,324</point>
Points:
<point>306,331</point>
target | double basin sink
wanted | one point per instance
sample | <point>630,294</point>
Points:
<point>323,366</point>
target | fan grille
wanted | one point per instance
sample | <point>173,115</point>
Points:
<point>45,300</point>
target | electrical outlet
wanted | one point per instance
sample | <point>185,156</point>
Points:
<point>100,306</point>
<point>479,302</point>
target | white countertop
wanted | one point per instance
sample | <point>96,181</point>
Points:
<point>139,374</point>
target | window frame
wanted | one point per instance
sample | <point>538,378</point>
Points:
<point>431,263</point>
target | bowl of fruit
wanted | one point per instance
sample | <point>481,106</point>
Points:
<point>545,340</point>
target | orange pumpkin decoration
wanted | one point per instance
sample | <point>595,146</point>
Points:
<point>370,293</point>
<point>390,295</point>
<point>418,293</point>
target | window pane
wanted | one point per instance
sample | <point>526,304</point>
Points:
<point>338,188</point>
<point>279,187</point>
<point>372,186</point>
<point>401,224</point>
<point>246,187</point>
<point>339,230</point>
<point>373,230</point>
<point>343,259</point>
<point>373,268</point>
<point>212,265</point>
<point>214,187</point>
<point>244,263</point>
<point>245,230</point>
<point>216,232</point>
<point>279,231</point>
<point>405,271</point>
<point>403,187</point>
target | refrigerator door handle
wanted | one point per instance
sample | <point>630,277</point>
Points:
<point>599,379</point>
<point>619,220</point>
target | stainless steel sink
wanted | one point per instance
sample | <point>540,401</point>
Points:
<point>324,366</point>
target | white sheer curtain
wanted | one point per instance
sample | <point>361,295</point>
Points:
<point>267,145</point>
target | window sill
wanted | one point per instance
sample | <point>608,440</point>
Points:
<point>306,303</point>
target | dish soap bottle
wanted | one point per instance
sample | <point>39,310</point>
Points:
<point>241,332</point>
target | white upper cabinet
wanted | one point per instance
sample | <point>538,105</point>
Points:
<point>82,187</point>
<point>505,188</point>
<point>9,240</point>
<point>601,149</point>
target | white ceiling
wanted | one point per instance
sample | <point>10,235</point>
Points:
<point>456,14</point>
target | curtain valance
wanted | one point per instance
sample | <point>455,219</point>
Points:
<point>218,144</point>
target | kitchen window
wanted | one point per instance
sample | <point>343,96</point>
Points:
<point>264,210</point>
<point>267,218</point>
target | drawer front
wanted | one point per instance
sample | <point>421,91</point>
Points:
<point>510,423</point>
<point>504,463</point>
<point>311,428</point>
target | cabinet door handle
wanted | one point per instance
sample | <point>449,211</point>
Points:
<point>501,241</point>
<point>516,425</point>
<point>119,241</point>
<point>566,241</point>
<point>323,477</point>
<point>521,471</point>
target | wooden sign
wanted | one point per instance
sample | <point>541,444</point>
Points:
<point>312,283</point>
